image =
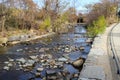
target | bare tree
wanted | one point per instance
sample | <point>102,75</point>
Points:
<point>3,15</point>
<point>106,8</point>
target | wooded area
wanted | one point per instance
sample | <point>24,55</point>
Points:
<point>26,14</point>
<point>101,15</point>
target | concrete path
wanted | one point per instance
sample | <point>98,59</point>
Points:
<point>98,65</point>
<point>115,39</point>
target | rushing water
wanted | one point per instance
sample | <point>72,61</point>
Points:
<point>75,37</point>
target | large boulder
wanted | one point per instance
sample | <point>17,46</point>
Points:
<point>78,63</point>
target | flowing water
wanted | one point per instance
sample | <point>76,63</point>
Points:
<point>76,37</point>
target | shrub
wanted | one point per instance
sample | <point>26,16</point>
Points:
<point>97,27</point>
<point>46,23</point>
<point>58,23</point>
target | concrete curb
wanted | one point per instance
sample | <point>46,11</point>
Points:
<point>97,65</point>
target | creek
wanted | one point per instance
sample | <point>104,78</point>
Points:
<point>51,55</point>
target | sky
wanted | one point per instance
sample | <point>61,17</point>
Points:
<point>79,4</point>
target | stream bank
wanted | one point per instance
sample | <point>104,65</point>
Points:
<point>15,39</point>
<point>51,55</point>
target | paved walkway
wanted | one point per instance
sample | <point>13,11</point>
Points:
<point>98,65</point>
<point>116,39</point>
<point>116,45</point>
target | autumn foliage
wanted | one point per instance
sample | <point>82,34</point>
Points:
<point>27,14</point>
<point>100,15</point>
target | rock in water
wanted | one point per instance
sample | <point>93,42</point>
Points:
<point>11,60</point>
<point>49,56</point>
<point>18,50</point>
<point>6,62</point>
<point>10,64</point>
<point>22,60</point>
<point>40,69</point>
<point>42,50</point>
<point>37,74</point>
<point>68,39</point>
<point>82,48</point>
<point>33,57</point>
<point>59,64</point>
<point>6,68</point>
<point>37,48</point>
<point>66,56</point>
<point>67,50</point>
<point>78,63</point>
<point>89,40</point>
<point>76,75</point>
<point>51,72</point>
<point>26,48</point>
<point>62,59</point>
<point>29,64</point>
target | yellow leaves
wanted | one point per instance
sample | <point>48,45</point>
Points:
<point>46,23</point>
<point>15,12</point>
<point>97,27</point>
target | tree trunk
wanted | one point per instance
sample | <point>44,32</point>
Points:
<point>3,23</point>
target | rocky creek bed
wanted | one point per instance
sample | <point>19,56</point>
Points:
<point>50,58</point>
